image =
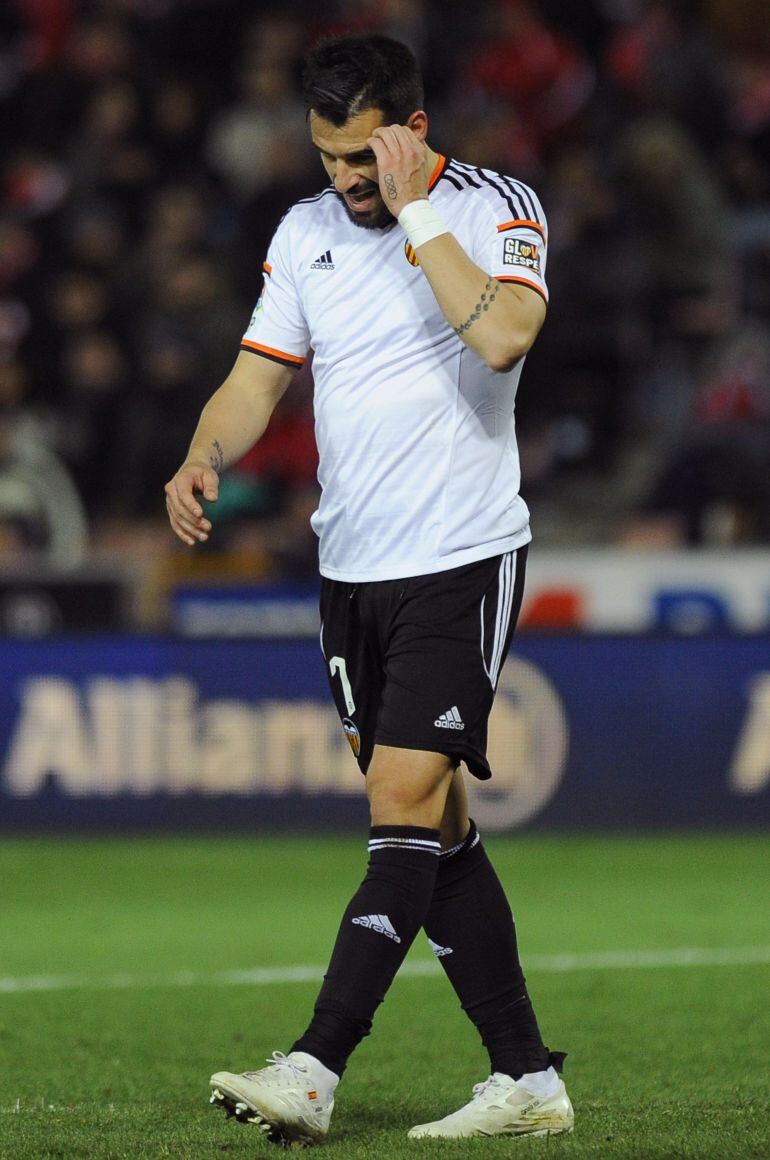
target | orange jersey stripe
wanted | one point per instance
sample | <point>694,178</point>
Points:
<point>267,267</point>
<point>524,282</point>
<point>438,169</point>
<point>522,223</point>
<point>269,350</point>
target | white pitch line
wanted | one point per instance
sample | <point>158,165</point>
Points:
<point>269,976</point>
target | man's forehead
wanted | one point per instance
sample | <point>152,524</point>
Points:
<point>351,137</point>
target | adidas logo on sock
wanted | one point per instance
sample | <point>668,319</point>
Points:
<point>324,262</point>
<point>450,720</point>
<point>379,922</point>
<point>439,951</point>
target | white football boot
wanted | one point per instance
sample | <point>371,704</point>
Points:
<point>502,1106</point>
<point>291,1100</point>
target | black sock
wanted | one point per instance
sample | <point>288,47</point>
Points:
<point>472,930</point>
<point>377,930</point>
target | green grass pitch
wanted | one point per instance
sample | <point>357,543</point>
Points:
<point>117,997</point>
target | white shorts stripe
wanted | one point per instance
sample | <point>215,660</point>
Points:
<point>483,655</point>
<point>504,604</point>
<point>498,614</point>
<point>502,596</point>
<point>506,617</point>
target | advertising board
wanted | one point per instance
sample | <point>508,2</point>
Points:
<point>615,732</point>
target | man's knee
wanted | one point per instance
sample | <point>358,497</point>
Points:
<point>408,787</point>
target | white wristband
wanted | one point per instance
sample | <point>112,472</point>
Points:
<point>421,223</point>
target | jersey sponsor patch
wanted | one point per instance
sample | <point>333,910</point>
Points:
<point>519,253</point>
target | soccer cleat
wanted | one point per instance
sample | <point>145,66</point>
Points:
<point>501,1106</point>
<point>286,1102</point>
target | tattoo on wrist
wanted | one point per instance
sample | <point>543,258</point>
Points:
<point>390,186</point>
<point>487,298</point>
<point>217,456</point>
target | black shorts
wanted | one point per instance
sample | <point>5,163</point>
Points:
<point>414,663</point>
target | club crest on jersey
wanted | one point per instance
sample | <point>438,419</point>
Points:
<point>353,736</point>
<point>519,253</point>
<point>411,257</point>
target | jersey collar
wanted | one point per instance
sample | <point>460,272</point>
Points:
<point>438,171</point>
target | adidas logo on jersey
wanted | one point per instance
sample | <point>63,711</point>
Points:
<point>378,922</point>
<point>324,262</point>
<point>438,950</point>
<point>450,720</point>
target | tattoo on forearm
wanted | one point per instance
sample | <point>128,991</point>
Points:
<point>217,456</point>
<point>390,186</point>
<point>487,298</point>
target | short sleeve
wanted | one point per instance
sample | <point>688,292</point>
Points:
<point>278,329</point>
<point>511,239</point>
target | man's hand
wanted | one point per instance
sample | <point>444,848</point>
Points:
<point>184,511</point>
<point>402,163</point>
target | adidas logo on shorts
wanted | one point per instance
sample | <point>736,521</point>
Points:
<point>378,922</point>
<point>450,720</point>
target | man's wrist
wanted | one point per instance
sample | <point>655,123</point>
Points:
<point>196,460</point>
<point>420,222</point>
<point>214,461</point>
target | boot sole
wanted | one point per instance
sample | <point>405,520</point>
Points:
<point>272,1130</point>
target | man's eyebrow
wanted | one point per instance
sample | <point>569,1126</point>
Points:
<point>364,151</point>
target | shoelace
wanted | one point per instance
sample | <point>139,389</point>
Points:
<point>480,1089</point>
<point>278,1059</point>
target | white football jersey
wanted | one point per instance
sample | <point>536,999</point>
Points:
<point>419,467</point>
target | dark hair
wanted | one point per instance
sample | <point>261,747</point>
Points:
<point>345,75</point>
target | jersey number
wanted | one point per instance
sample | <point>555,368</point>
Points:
<point>337,665</point>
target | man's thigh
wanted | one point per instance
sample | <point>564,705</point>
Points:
<point>408,787</point>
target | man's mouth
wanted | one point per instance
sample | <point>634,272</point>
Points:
<point>363,200</point>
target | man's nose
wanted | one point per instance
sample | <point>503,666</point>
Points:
<point>344,177</point>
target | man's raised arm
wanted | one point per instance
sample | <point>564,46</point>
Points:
<point>232,421</point>
<point>499,322</point>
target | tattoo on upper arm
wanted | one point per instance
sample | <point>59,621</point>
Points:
<point>487,298</point>
<point>217,456</point>
<point>390,186</point>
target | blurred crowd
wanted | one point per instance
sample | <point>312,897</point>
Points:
<point>151,147</point>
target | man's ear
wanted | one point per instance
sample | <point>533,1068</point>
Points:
<point>418,123</point>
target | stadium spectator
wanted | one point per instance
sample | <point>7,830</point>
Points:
<point>715,488</point>
<point>94,377</point>
<point>532,69</point>
<point>41,516</point>
<point>667,61</point>
<point>247,140</point>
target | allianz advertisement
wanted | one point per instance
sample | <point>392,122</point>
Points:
<point>587,733</point>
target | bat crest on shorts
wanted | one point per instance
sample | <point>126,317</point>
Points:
<point>353,736</point>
